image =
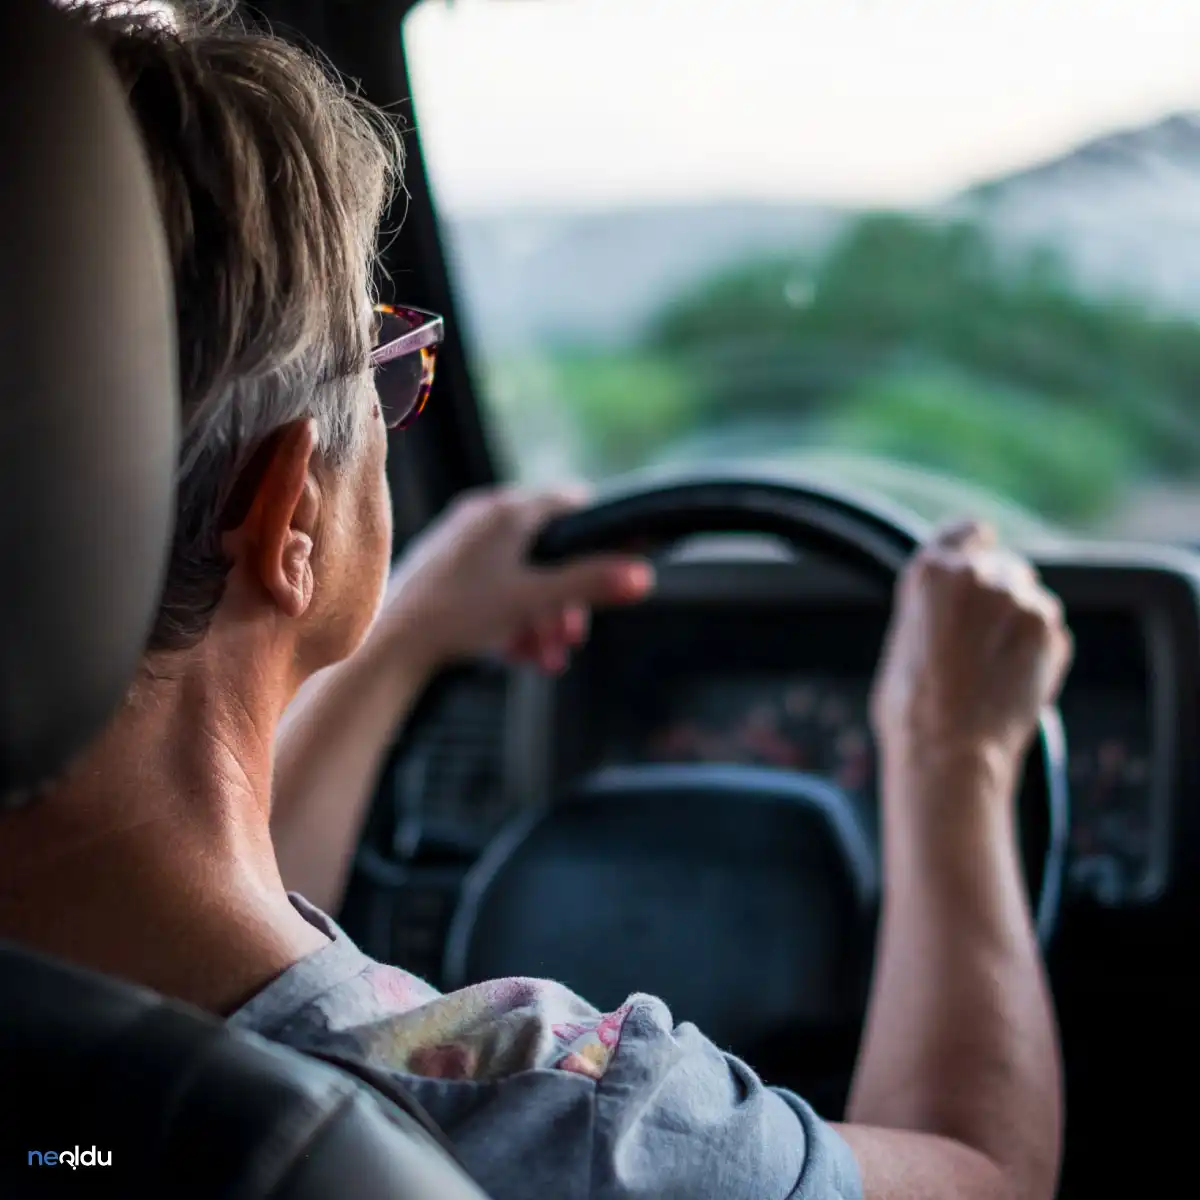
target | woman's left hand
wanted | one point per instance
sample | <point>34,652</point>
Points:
<point>465,587</point>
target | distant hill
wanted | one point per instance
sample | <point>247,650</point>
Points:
<point>1123,211</point>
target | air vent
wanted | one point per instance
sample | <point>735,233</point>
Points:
<point>420,917</point>
<point>448,795</point>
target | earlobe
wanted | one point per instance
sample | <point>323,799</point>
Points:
<point>297,574</point>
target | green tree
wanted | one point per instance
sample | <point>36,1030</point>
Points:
<point>924,339</point>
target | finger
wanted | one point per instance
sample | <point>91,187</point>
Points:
<point>523,648</point>
<point>575,624</point>
<point>602,579</point>
<point>553,648</point>
<point>1047,606</point>
<point>538,647</point>
<point>1046,648</point>
<point>557,628</point>
<point>1002,568</point>
<point>1064,657</point>
<point>964,535</point>
<point>540,507</point>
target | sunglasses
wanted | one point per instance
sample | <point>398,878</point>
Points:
<point>403,360</point>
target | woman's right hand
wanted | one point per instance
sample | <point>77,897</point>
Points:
<point>976,649</point>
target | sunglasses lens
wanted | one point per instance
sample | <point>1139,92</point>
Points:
<point>404,385</point>
<point>403,382</point>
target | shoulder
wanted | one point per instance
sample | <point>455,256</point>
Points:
<point>677,1116</point>
<point>547,1095</point>
<point>627,1105</point>
<point>482,1033</point>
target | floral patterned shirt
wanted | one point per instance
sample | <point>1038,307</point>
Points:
<point>548,1099</point>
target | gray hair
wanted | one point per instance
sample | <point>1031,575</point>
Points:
<point>272,177</point>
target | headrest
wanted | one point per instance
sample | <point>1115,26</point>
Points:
<point>88,400</point>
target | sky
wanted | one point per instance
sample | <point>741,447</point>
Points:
<point>600,103</point>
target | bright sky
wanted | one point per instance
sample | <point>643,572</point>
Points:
<point>590,103</point>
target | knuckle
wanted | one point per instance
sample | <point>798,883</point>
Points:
<point>512,507</point>
<point>936,563</point>
<point>1066,647</point>
<point>964,574</point>
<point>921,562</point>
<point>1035,622</point>
<point>1030,618</point>
<point>917,574</point>
<point>1055,613</point>
<point>474,501</point>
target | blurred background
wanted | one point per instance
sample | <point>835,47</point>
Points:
<point>948,250</point>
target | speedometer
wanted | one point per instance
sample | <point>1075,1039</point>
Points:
<point>827,720</point>
<point>810,724</point>
<point>818,724</point>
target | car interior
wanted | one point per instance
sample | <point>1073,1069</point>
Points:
<point>789,285</point>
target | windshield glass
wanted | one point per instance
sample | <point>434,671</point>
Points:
<point>949,252</point>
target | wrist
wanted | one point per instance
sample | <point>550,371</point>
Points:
<point>951,854</point>
<point>944,790</point>
<point>982,764</point>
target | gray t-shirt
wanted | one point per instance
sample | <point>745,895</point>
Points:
<point>546,1098</point>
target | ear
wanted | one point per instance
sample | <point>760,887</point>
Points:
<point>276,539</point>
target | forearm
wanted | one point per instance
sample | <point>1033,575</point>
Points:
<point>960,1038</point>
<point>329,752</point>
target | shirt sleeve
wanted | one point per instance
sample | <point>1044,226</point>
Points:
<point>677,1117</point>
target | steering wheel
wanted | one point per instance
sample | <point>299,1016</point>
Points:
<point>642,860</point>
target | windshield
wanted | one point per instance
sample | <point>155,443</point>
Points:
<point>949,252</point>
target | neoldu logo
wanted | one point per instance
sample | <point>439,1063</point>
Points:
<point>89,1157</point>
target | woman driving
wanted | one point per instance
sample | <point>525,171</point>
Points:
<point>154,861</point>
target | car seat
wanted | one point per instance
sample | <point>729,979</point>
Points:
<point>110,1089</point>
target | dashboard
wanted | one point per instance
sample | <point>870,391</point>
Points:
<point>792,696</point>
<point>769,663</point>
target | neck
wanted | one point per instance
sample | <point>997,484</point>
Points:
<point>153,860</point>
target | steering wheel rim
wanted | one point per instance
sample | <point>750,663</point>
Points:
<point>874,537</point>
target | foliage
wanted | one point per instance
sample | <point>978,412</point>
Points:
<point>919,340</point>
<point>1060,461</point>
<point>603,412</point>
<point>627,407</point>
